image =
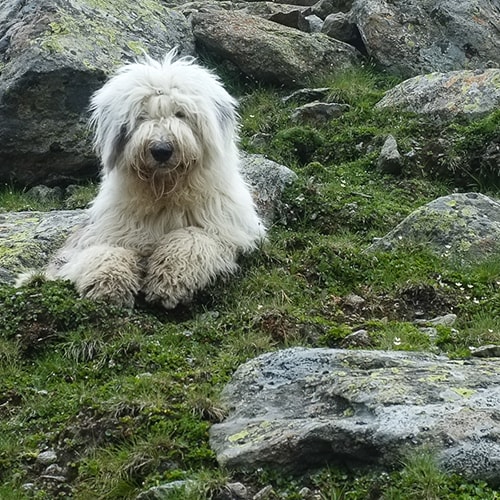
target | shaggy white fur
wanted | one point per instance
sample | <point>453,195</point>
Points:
<point>173,210</point>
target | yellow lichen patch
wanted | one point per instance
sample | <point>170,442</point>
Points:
<point>348,412</point>
<point>252,433</point>
<point>463,391</point>
<point>136,47</point>
<point>239,436</point>
<point>434,378</point>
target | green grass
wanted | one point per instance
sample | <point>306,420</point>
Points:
<point>14,198</point>
<point>126,398</point>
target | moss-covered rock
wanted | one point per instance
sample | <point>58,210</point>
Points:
<point>27,239</point>
<point>55,54</point>
<point>469,94</point>
<point>464,227</point>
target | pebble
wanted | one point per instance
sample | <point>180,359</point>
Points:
<point>239,490</point>
<point>46,457</point>
<point>359,338</point>
<point>353,300</point>
<point>445,320</point>
<point>264,493</point>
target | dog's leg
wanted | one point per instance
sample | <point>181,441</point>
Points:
<point>185,261</point>
<point>102,272</point>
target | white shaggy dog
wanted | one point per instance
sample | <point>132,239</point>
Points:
<point>173,211</point>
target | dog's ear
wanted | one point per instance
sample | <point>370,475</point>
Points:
<point>226,115</point>
<point>110,137</point>
<point>120,140</point>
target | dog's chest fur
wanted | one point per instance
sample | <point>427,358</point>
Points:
<point>144,221</point>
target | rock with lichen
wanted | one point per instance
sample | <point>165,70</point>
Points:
<point>461,226</point>
<point>53,55</point>
<point>466,94</point>
<point>27,239</point>
<point>267,180</point>
<point>266,51</point>
<point>411,37</point>
<point>297,408</point>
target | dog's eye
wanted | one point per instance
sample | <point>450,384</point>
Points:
<point>180,114</point>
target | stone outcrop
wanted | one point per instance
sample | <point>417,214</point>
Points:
<point>411,37</point>
<point>469,94</point>
<point>297,408</point>
<point>269,52</point>
<point>462,226</point>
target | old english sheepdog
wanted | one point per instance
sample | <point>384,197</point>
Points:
<point>173,211</point>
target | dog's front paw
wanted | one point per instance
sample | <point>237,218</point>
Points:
<point>167,288</point>
<point>186,261</point>
<point>113,291</point>
<point>103,272</point>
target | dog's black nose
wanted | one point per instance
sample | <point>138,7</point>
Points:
<point>162,151</point>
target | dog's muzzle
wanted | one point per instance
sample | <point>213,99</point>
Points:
<point>162,151</point>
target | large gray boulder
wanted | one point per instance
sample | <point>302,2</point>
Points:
<point>463,227</point>
<point>297,408</point>
<point>411,37</point>
<point>269,52</point>
<point>53,55</point>
<point>467,94</point>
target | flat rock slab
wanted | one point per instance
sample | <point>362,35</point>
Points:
<point>301,407</point>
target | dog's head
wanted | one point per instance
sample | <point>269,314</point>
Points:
<point>162,119</point>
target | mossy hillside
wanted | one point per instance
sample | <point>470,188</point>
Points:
<point>126,398</point>
<point>454,152</point>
